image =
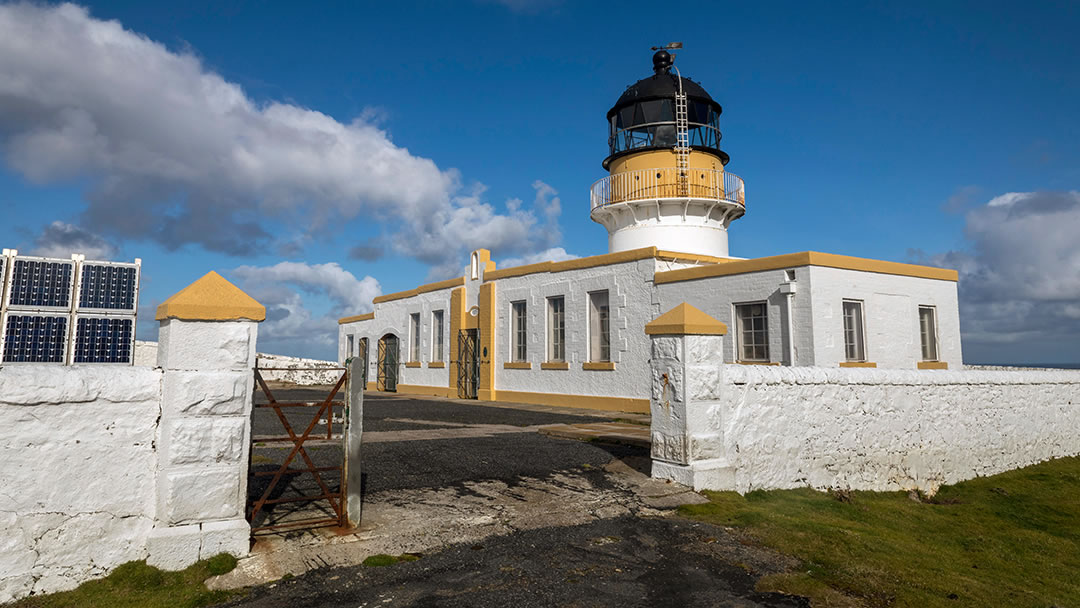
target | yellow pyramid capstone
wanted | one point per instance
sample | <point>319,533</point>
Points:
<point>211,298</point>
<point>684,320</point>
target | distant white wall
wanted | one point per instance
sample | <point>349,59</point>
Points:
<point>301,372</point>
<point>79,472</point>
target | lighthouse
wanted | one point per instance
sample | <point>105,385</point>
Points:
<point>667,185</point>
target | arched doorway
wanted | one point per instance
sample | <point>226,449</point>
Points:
<point>388,363</point>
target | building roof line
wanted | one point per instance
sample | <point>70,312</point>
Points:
<point>807,258</point>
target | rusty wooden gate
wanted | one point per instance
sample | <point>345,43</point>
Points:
<point>322,504</point>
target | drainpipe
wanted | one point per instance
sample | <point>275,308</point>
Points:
<point>788,289</point>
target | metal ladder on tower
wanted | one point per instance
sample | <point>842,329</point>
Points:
<point>682,142</point>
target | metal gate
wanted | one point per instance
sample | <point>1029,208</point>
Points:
<point>311,505</point>
<point>387,376</point>
<point>468,363</point>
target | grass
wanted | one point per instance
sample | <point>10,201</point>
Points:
<point>382,559</point>
<point>1008,540</point>
<point>137,585</point>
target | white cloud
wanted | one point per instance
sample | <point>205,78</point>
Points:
<point>60,240</point>
<point>291,328</point>
<point>555,254</point>
<point>1020,282</point>
<point>176,153</point>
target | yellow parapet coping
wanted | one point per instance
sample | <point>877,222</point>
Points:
<point>806,258</point>
<point>684,320</point>
<point>211,298</point>
<point>408,293</point>
<point>606,259</point>
<point>364,317</point>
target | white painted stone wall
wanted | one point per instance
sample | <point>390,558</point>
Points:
<point>632,305</point>
<point>300,371</point>
<point>145,353</point>
<point>108,464</point>
<point>891,308</point>
<point>78,475</point>
<point>761,427</point>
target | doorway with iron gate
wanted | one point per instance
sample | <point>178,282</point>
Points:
<point>468,363</point>
<point>387,373</point>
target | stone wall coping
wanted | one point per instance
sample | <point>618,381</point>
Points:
<point>685,320</point>
<point>211,298</point>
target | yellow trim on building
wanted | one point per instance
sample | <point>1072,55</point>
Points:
<point>608,404</point>
<point>558,365</point>
<point>436,364</point>
<point>408,293</point>
<point>211,298</point>
<point>933,365</point>
<point>517,365</point>
<point>598,366</point>
<point>364,317</point>
<point>857,364</point>
<point>417,389</point>
<point>758,362</point>
<point>684,320</point>
<point>806,258</point>
<point>485,301</point>
<point>413,364</point>
<point>372,386</point>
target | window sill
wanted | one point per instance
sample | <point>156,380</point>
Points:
<point>517,365</point>
<point>598,366</point>
<point>563,365</point>
<point>933,365</point>
<point>857,364</point>
<point>758,362</point>
<point>412,364</point>
<point>437,364</point>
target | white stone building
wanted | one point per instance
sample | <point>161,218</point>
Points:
<point>573,332</point>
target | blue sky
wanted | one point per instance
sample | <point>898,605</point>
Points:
<point>286,147</point>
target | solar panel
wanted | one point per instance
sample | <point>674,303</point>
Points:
<point>103,339</point>
<point>35,338</point>
<point>40,283</point>
<point>3,277</point>
<point>108,287</point>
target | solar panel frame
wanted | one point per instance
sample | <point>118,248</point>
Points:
<point>86,342</point>
<point>87,294</point>
<point>3,280</point>
<point>29,283</point>
<point>7,334</point>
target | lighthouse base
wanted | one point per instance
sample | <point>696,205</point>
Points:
<point>684,225</point>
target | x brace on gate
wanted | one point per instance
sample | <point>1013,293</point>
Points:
<point>336,499</point>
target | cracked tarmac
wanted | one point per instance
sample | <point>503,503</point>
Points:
<point>460,476</point>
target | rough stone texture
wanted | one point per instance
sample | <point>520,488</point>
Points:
<point>300,372</point>
<point>232,536</point>
<point>174,548</point>
<point>889,429</point>
<point>206,440</point>
<point>145,353</point>
<point>200,393</point>
<point>198,495</point>
<point>77,485</point>
<point>207,345</point>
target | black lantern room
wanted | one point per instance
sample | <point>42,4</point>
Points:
<point>644,116</point>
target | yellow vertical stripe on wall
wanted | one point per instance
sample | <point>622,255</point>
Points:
<point>486,303</point>
<point>457,323</point>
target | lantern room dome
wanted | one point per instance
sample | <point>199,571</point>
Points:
<point>644,116</point>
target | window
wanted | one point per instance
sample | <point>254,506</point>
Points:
<point>557,329</point>
<point>854,338</point>
<point>599,327</point>
<point>349,346</point>
<point>928,332</point>
<point>753,331</point>
<point>518,346</point>
<point>437,335</point>
<point>414,327</point>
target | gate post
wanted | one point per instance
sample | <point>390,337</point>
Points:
<point>206,348</point>
<point>686,427</point>
<point>354,428</point>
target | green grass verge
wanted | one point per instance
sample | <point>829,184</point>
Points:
<point>382,559</point>
<point>136,585</point>
<point>1008,540</point>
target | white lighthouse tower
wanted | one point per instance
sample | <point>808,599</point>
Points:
<point>667,186</point>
